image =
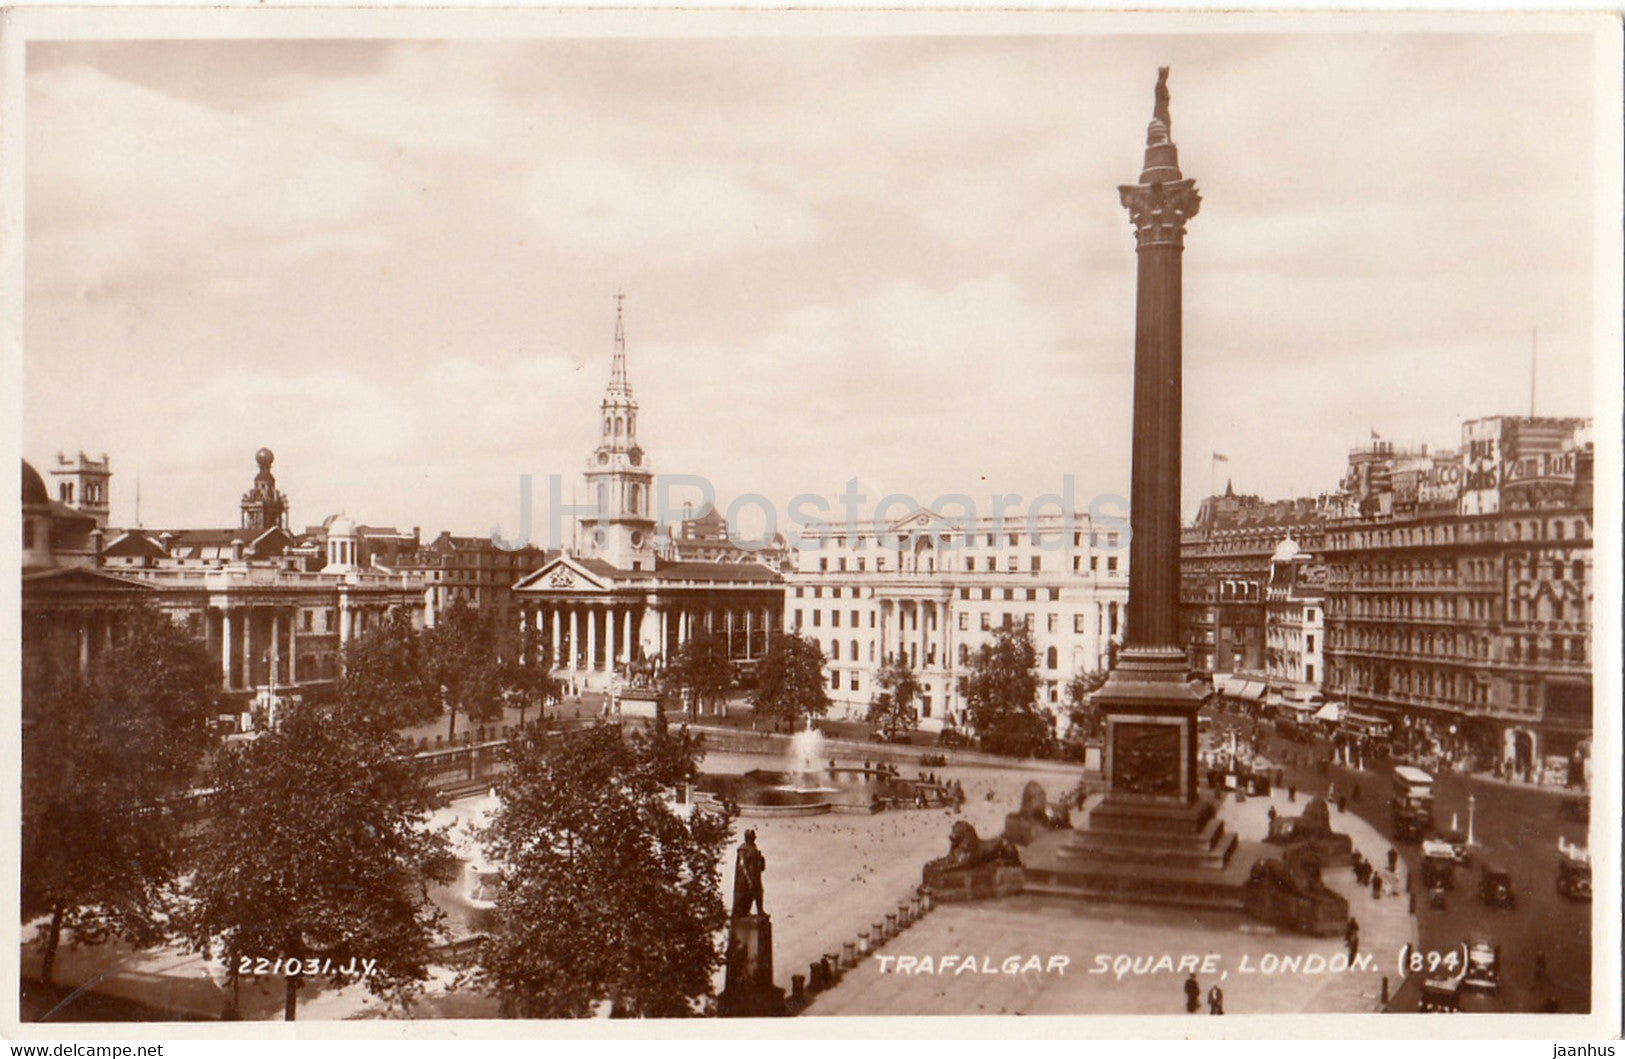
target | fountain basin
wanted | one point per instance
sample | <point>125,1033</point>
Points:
<point>766,792</point>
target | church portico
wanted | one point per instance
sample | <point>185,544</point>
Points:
<point>615,604</point>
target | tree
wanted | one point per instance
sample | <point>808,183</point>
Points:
<point>386,675</point>
<point>790,682</point>
<point>703,667</point>
<point>1083,715</point>
<point>462,660</point>
<point>525,668</point>
<point>101,752</point>
<point>1001,692</point>
<point>608,895</point>
<point>316,846</point>
<point>892,708</point>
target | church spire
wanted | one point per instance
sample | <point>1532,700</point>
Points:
<point>618,384</point>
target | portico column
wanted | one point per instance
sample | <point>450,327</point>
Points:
<point>767,629</point>
<point>609,639</point>
<point>553,631</point>
<point>729,624</point>
<point>748,623</point>
<point>248,648</point>
<point>293,647</point>
<point>575,637</point>
<point>592,639</point>
<point>274,663</point>
<point>629,639</point>
<point>225,647</point>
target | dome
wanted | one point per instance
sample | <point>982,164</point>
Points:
<point>33,486</point>
<point>341,526</point>
<point>1286,551</point>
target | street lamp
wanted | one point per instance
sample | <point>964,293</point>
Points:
<point>1472,801</point>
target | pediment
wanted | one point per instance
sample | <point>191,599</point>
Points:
<point>563,575</point>
<point>923,520</point>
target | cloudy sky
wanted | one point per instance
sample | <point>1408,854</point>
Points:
<point>899,259</point>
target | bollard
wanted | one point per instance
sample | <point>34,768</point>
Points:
<point>903,917</point>
<point>849,954</point>
<point>878,932</point>
<point>927,898</point>
<point>798,987</point>
<point>891,924</point>
<point>815,976</point>
<point>1384,990</point>
<point>914,907</point>
<point>863,945</point>
<point>832,967</point>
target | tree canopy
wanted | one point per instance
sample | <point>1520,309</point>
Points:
<point>608,895</point>
<point>1001,693</point>
<point>462,657</point>
<point>703,667</point>
<point>386,675</point>
<point>790,681</point>
<point>316,844</point>
<point>1084,717</point>
<point>102,751</point>
<point>892,707</point>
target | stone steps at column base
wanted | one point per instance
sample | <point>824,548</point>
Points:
<point>1211,836</point>
<point>1105,887</point>
<point>1091,850</point>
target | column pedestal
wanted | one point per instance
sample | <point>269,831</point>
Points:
<point>748,991</point>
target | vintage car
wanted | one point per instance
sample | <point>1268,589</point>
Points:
<point>1483,970</point>
<point>1438,865</point>
<point>1574,873</point>
<point>1495,887</point>
<point>1457,841</point>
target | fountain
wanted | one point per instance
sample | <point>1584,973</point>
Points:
<point>809,786</point>
<point>806,748</point>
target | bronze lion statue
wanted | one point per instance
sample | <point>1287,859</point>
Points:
<point>968,850</point>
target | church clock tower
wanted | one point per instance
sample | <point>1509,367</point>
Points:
<point>619,531</point>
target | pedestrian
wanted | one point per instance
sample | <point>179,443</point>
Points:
<point>1353,942</point>
<point>1393,860</point>
<point>1193,993</point>
<point>1271,815</point>
<point>1215,1001</point>
<point>1292,793</point>
<point>1376,887</point>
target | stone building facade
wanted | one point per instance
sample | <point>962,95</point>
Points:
<point>931,590</point>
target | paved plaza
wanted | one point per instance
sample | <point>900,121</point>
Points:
<point>1227,949</point>
<point>829,877</point>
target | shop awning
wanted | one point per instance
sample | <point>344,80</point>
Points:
<point>1297,707</point>
<point>1250,689</point>
<point>1332,711</point>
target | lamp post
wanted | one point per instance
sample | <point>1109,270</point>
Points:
<point>1472,801</point>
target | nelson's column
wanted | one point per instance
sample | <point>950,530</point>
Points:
<point>1149,701</point>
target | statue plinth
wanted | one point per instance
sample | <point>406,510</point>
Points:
<point>748,991</point>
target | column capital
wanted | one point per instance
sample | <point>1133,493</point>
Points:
<point>1159,211</point>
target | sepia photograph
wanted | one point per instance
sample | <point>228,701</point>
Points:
<point>854,517</point>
